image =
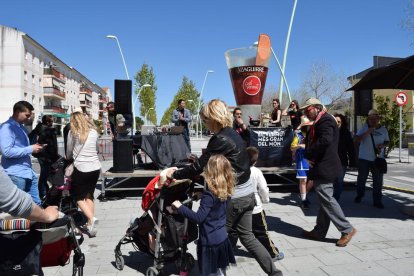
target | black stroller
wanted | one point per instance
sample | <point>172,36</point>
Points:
<point>31,246</point>
<point>162,235</point>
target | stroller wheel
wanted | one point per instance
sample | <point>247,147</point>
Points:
<point>189,263</point>
<point>152,271</point>
<point>119,262</point>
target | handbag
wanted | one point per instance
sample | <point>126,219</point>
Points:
<point>379,163</point>
<point>71,167</point>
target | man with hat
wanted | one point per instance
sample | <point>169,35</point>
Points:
<point>321,151</point>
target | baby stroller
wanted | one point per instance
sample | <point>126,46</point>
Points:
<point>31,246</point>
<point>162,235</point>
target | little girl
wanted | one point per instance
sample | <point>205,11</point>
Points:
<point>214,250</point>
<point>298,148</point>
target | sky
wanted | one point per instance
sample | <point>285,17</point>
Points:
<point>189,37</point>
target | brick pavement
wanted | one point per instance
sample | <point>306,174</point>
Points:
<point>384,244</point>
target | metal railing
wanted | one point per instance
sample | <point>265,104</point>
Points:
<point>105,148</point>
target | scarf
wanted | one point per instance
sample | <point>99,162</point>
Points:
<point>311,134</point>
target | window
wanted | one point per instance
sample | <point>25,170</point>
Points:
<point>26,55</point>
<point>33,79</point>
<point>25,75</point>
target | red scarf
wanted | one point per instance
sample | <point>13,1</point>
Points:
<point>312,128</point>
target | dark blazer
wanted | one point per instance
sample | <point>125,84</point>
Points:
<point>228,143</point>
<point>43,134</point>
<point>324,150</point>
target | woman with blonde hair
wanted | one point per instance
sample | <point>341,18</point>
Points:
<point>82,147</point>
<point>229,143</point>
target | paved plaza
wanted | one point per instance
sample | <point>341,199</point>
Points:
<point>383,245</point>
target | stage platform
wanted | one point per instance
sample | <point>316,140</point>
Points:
<point>113,180</point>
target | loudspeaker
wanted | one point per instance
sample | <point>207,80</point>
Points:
<point>123,92</point>
<point>362,102</point>
<point>123,160</point>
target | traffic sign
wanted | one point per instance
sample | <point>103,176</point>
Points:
<point>401,98</point>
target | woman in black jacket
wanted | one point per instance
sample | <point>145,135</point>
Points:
<point>346,152</point>
<point>228,142</point>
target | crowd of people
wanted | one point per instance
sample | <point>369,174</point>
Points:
<point>231,206</point>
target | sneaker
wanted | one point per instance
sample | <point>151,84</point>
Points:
<point>92,229</point>
<point>279,257</point>
<point>305,204</point>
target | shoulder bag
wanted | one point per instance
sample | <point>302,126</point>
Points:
<point>71,167</point>
<point>380,163</point>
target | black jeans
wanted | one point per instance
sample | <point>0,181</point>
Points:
<point>239,224</point>
<point>261,233</point>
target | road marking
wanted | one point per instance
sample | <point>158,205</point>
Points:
<point>403,178</point>
<point>397,171</point>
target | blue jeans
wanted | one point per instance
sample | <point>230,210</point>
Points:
<point>338,184</point>
<point>30,186</point>
<point>364,166</point>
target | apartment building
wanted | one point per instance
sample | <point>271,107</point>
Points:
<point>30,72</point>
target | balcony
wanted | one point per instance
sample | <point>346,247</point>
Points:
<point>54,109</point>
<point>85,90</point>
<point>53,92</point>
<point>85,103</point>
<point>55,74</point>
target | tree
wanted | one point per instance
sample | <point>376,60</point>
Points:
<point>324,84</point>
<point>139,122</point>
<point>187,92</point>
<point>147,95</point>
<point>390,118</point>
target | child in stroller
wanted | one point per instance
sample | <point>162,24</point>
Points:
<point>157,232</point>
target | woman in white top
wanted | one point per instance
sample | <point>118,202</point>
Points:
<point>83,148</point>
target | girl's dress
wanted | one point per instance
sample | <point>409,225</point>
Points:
<point>214,249</point>
<point>301,164</point>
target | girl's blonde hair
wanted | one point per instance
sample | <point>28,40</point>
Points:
<point>217,111</point>
<point>220,176</point>
<point>80,126</point>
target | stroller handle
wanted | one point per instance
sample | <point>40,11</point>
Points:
<point>191,199</point>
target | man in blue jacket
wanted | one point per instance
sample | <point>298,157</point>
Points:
<point>16,149</point>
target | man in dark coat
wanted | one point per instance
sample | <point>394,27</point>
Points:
<point>321,151</point>
<point>45,134</point>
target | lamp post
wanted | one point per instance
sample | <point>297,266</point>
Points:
<point>286,49</point>
<point>192,101</point>
<point>199,103</point>
<point>281,72</point>
<point>146,114</point>
<point>120,50</point>
<point>127,74</point>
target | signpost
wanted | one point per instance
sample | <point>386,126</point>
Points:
<point>401,99</point>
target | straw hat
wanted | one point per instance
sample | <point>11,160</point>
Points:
<point>309,102</point>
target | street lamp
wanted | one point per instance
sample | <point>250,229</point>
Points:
<point>120,50</point>
<point>192,116</point>
<point>285,53</point>
<point>281,72</point>
<point>146,114</point>
<point>199,102</point>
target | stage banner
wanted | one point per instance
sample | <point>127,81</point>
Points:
<point>274,146</point>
